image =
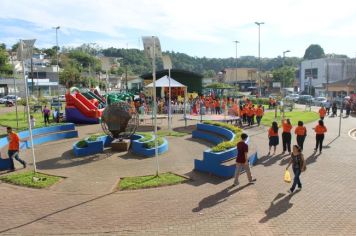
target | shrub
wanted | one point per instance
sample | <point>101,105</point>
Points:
<point>227,144</point>
<point>151,144</point>
<point>82,144</point>
<point>146,137</point>
<point>95,137</point>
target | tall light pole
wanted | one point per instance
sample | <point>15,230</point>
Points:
<point>152,48</point>
<point>284,57</point>
<point>236,42</point>
<point>259,55</point>
<point>57,28</point>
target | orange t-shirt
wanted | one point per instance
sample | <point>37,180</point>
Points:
<point>287,127</point>
<point>251,112</point>
<point>272,133</point>
<point>300,130</point>
<point>14,142</point>
<point>259,112</point>
<point>320,129</point>
<point>322,112</point>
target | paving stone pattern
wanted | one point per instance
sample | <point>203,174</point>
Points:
<point>84,203</point>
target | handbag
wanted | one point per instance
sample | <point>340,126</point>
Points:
<point>287,177</point>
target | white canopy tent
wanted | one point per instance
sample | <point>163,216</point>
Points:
<point>166,81</point>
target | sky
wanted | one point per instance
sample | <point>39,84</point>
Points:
<point>202,28</point>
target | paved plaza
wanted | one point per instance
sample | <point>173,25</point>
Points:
<point>86,202</point>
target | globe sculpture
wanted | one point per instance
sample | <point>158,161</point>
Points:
<point>119,120</point>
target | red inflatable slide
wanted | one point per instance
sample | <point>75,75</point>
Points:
<point>86,107</point>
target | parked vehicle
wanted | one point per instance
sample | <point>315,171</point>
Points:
<point>62,98</point>
<point>9,97</point>
<point>305,99</point>
<point>319,101</point>
<point>293,97</point>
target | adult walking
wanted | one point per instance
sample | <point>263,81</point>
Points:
<point>327,107</point>
<point>242,160</point>
<point>286,135</point>
<point>301,133</point>
<point>273,137</point>
<point>46,112</point>
<point>298,165</point>
<point>14,148</point>
<point>322,112</point>
<point>320,131</point>
<point>259,114</point>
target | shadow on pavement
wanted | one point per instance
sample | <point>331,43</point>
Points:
<point>312,158</point>
<point>282,206</point>
<point>189,129</point>
<point>270,160</point>
<point>67,160</point>
<point>199,178</point>
<point>218,197</point>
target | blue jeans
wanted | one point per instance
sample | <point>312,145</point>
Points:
<point>296,180</point>
<point>11,155</point>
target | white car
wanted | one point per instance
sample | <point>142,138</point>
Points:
<point>319,101</point>
<point>294,97</point>
<point>62,98</point>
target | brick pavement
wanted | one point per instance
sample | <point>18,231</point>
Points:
<point>83,204</point>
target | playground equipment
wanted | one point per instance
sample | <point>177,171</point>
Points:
<point>80,110</point>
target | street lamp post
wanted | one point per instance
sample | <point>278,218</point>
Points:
<point>283,81</point>
<point>259,55</point>
<point>236,42</point>
<point>57,28</point>
<point>152,48</point>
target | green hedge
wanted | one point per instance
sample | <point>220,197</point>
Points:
<point>95,137</point>
<point>151,144</point>
<point>227,144</point>
<point>82,144</point>
<point>262,101</point>
<point>146,137</point>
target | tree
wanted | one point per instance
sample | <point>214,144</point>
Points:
<point>314,51</point>
<point>5,66</point>
<point>70,76</point>
<point>209,73</point>
<point>285,75</point>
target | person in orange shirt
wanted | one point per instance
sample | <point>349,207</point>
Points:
<point>273,137</point>
<point>14,148</point>
<point>253,113</point>
<point>322,112</point>
<point>301,133</point>
<point>250,115</point>
<point>244,113</point>
<point>259,114</point>
<point>286,135</point>
<point>320,131</point>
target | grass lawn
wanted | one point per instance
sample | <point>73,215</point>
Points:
<point>26,179</point>
<point>294,116</point>
<point>9,119</point>
<point>150,181</point>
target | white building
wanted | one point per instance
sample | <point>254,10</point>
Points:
<point>321,72</point>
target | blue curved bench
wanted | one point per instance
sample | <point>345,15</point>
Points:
<point>40,135</point>
<point>213,162</point>
<point>138,147</point>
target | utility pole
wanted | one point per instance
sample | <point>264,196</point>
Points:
<point>283,80</point>
<point>57,28</point>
